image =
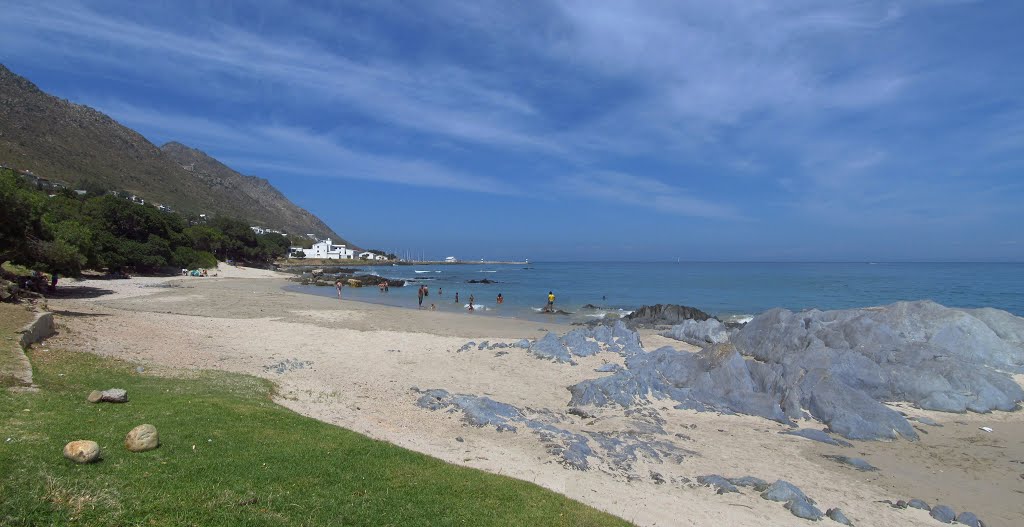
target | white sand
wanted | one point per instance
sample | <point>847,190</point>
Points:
<point>366,358</point>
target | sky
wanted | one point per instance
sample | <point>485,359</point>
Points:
<point>726,130</point>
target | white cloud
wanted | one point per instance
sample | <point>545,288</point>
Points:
<point>642,191</point>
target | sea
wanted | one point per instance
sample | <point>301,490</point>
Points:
<point>731,291</point>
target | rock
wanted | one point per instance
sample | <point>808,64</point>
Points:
<point>837,515</point>
<point>783,490</point>
<point>854,462</point>
<point>919,504</point>
<point>943,513</point>
<point>664,315</point>
<point>580,412</point>
<point>698,333</point>
<point>802,509</point>
<point>460,439</point>
<point>550,347</point>
<point>927,421</point>
<point>900,504</point>
<point>113,395</point>
<point>723,485</point>
<point>757,484</point>
<point>968,518</point>
<point>839,366</point>
<point>82,451</point>
<point>142,438</point>
<point>484,281</point>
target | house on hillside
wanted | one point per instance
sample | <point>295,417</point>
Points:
<point>257,229</point>
<point>327,250</point>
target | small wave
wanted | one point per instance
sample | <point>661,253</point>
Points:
<point>423,271</point>
<point>739,319</point>
<point>621,313</point>
<point>484,271</point>
<point>477,307</point>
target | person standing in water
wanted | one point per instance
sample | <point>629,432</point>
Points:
<point>419,294</point>
<point>456,297</point>
<point>551,303</point>
<point>500,299</point>
<point>338,285</point>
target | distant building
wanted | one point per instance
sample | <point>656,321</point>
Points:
<point>450,259</point>
<point>257,229</point>
<point>367,255</point>
<point>327,250</point>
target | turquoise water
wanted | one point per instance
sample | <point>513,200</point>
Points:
<point>728,290</point>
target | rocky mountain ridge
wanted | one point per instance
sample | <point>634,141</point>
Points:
<point>84,148</point>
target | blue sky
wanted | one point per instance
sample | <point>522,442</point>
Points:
<point>581,130</point>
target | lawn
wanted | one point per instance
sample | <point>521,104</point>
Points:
<point>229,456</point>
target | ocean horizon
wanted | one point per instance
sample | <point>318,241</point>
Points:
<point>728,290</point>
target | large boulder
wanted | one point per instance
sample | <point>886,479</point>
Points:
<point>664,315</point>
<point>142,438</point>
<point>82,451</point>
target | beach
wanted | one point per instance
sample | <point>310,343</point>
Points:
<point>364,366</point>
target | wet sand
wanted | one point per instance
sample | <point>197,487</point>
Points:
<point>361,362</point>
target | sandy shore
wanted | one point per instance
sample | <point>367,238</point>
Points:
<point>356,364</point>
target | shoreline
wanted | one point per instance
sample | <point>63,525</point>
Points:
<point>362,361</point>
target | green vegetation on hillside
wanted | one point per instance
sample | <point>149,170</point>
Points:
<point>65,233</point>
<point>63,142</point>
<point>230,456</point>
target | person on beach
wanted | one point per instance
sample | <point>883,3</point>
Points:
<point>53,281</point>
<point>471,308</point>
<point>438,291</point>
<point>338,285</point>
<point>456,297</point>
<point>551,303</point>
<point>500,299</point>
<point>419,294</point>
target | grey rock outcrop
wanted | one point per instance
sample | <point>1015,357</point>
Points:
<point>722,485</point>
<point>698,333</point>
<point>836,366</point>
<point>803,509</point>
<point>142,438</point>
<point>943,513</point>
<point>783,490</point>
<point>837,516</point>
<point>82,451</point>
<point>968,518</point>
<point>919,504</point>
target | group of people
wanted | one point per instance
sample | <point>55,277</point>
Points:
<point>194,272</point>
<point>424,291</point>
<point>383,286</point>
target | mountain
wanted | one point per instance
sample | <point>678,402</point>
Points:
<point>81,147</point>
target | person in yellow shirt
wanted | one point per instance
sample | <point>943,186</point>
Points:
<point>551,302</point>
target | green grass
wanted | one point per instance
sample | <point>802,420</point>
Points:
<point>229,456</point>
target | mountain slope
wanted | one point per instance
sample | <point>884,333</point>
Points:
<point>77,145</point>
<point>267,205</point>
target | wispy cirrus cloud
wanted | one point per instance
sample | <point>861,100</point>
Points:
<point>260,148</point>
<point>641,191</point>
